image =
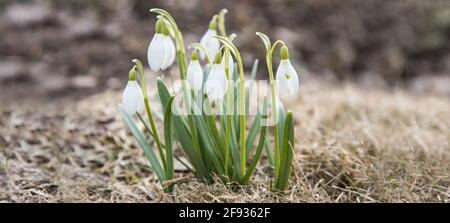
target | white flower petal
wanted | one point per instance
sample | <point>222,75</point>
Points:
<point>210,43</point>
<point>195,75</point>
<point>170,52</point>
<point>216,84</point>
<point>230,64</point>
<point>287,79</point>
<point>132,98</point>
<point>156,53</point>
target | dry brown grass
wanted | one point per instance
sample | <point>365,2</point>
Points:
<point>352,146</point>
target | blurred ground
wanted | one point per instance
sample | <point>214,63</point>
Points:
<point>373,119</point>
<point>51,48</point>
<point>352,146</point>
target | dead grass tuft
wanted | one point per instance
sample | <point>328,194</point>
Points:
<point>352,146</point>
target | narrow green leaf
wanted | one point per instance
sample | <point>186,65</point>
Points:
<point>281,120</point>
<point>253,132</point>
<point>287,154</point>
<point>254,69</point>
<point>257,155</point>
<point>139,136</point>
<point>183,136</point>
<point>145,124</point>
<point>168,141</point>
<point>269,152</point>
<point>206,138</point>
<point>259,148</point>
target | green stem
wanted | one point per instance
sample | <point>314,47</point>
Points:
<point>152,124</point>
<point>222,31</point>
<point>241,115</point>
<point>148,110</point>
<point>182,63</point>
<point>203,49</point>
<point>273,86</point>
<point>227,115</point>
<point>242,125</point>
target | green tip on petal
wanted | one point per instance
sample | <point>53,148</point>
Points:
<point>194,55</point>
<point>213,23</point>
<point>218,58</point>
<point>287,76</point>
<point>284,53</point>
<point>132,74</point>
<point>159,26</point>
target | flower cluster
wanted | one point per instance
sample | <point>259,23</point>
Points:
<point>215,145</point>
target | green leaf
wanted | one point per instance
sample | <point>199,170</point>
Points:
<point>168,141</point>
<point>254,69</point>
<point>207,138</point>
<point>259,149</point>
<point>281,120</point>
<point>182,134</point>
<point>257,155</point>
<point>253,132</point>
<point>139,136</point>
<point>287,154</point>
<point>269,152</point>
<point>145,124</point>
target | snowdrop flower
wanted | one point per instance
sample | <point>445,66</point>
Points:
<point>194,73</point>
<point>230,64</point>
<point>132,98</point>
<point>287,77</point>
<point>216,84</point>
<point>212,44</point>
<point>161,51</point>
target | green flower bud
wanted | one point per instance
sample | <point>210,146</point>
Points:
<point>166,31</point>
<point>159,26</point>
<point>218,58</point>
<point>284,52</point>
<point>194,55</point>
<point>213,23</point>
<point>132,74</point>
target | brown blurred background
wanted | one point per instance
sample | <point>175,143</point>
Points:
<point>52,48</point>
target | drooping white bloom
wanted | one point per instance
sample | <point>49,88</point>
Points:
<point>161,51</point>
<point>132,98</point>
<point>211,44</point>
<point>156,53</point>
<point>170,52</point>
<point>216,84</point>
<point>287,77</point>
<point>230,64</point>
<point>194,73</point>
